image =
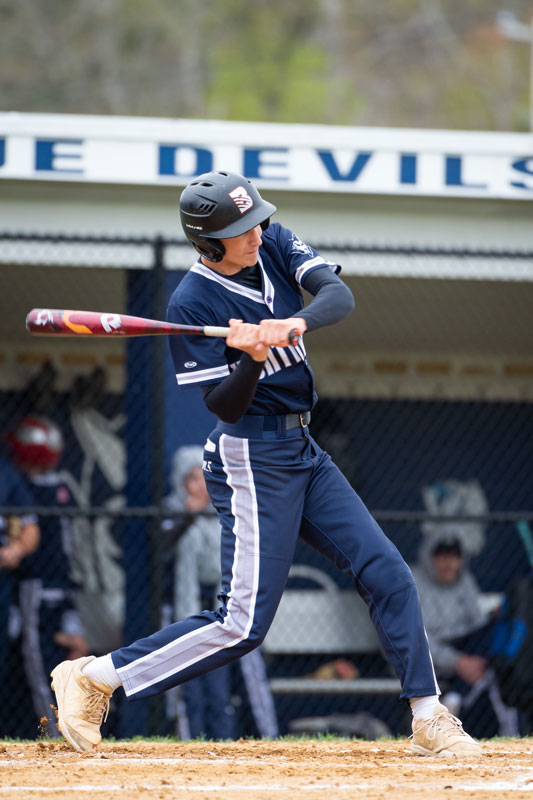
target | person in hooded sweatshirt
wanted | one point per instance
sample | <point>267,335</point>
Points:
<point>458,627</point>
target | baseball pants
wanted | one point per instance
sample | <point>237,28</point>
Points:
<point>270,486</point>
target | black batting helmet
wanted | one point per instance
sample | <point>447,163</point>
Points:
<point>221,205</point>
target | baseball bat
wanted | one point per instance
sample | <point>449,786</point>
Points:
<point>59,322</point>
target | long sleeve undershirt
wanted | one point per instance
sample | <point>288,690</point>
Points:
<point>332,302</point>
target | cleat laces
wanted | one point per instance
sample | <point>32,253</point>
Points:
<point>95,704</point>
<point>444,721</point>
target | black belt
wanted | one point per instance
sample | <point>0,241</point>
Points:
<point>300,420</point>
<point>252,425</point>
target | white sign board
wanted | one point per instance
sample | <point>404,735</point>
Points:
<point>162,152</point>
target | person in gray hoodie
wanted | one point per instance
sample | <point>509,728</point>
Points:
<point>451,605</point>
<point>455,619</point>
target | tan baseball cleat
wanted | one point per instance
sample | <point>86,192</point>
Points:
<point>442,735</point>
<point>81,704</point>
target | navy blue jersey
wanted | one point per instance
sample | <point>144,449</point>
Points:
<point>205,297</point>
<point>13,492</point>
<point>50,562</point>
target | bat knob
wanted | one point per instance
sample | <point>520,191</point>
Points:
<point>294,337</point>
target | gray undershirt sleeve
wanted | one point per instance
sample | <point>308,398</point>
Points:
<point>332,300</point>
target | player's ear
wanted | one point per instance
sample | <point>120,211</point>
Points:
<point>211,249</point>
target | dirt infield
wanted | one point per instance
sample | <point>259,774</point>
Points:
<point>253,770</point>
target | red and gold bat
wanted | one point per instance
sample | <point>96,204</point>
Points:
<point>58,322</point>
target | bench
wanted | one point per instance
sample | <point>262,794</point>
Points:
<point>327,620</point>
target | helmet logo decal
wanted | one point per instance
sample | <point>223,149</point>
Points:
<point>241,198</point>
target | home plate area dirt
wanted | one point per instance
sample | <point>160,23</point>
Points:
<point>257,770</point>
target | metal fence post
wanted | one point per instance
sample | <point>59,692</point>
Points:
<point>157,488</point>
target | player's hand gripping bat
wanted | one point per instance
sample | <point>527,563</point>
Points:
<point>57,322</point>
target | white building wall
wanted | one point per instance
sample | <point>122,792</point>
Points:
<point>423,326</point>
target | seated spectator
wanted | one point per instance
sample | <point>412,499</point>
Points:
<point>459,631</point>
<point>512,641</point>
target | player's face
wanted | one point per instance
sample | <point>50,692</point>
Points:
<point>241,251</point>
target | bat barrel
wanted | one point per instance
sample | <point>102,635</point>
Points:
<point>58,322</point>
<point>54,322</point>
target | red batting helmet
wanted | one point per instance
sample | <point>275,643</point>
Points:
<point>36,442</point>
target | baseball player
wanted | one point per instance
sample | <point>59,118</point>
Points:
<point>51,626</point>
<point>268,479</point>
<point>19,536</point>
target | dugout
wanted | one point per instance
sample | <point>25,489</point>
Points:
<point>430,379</point>
<point>433,229</point>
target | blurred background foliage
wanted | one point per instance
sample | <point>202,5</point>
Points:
<point>407,63</point>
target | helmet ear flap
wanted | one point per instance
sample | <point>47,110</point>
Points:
<point>212,249</point>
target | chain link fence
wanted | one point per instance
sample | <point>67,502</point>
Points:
<point>426,396</point>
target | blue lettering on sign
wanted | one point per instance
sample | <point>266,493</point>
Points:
<point>360,162</point>
<point>2,152</point>
<point>408,167</point>
<point>524,165</point>
<point>454,174</point>
<point>45,155</point>
<point>254,161</point>
<point>167,159</point>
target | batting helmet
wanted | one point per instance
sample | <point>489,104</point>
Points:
<point>221,205</point>
<point>36,442</point>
